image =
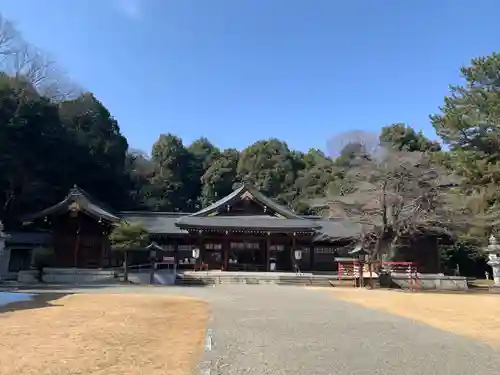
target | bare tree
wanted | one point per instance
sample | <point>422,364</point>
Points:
<point>395,196</point>
<point>8,37</point>
<point>31,68</point>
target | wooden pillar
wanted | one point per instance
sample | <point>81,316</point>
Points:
<point>311,256</point>
<point>438,257</point>
<point>77,242</point>
<point>243,239</point>
<point>200,246</point>
<point>267,247</point>
<point>225,251</point>
<point>103,243</point>
<point>152,263</point>
<point>176,252</point>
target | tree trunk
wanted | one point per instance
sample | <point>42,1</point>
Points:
<point>393,248</point>
<point>377,251</point>
<point>378,247</point>
<point>361,273</point>
<point>372,286</point>
<point>125,266</point>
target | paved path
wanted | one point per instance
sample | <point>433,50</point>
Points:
<point>259,330</point>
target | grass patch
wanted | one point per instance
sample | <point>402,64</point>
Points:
<point>103,334</point>
<point>473,315</point>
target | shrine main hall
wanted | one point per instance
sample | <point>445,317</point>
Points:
<point>244,231</point>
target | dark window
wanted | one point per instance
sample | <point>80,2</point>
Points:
<point>213,246</point>
<point>245,245</point>
<point>277,247</point>
<point>324,258</point>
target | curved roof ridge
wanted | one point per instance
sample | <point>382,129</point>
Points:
<point>219,203</point>
<point>86,203</point>
<point>257,195</point>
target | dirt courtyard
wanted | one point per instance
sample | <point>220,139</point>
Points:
<point>104,334</point>
<point>473,315</point>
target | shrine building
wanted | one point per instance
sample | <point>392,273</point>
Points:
<point>244,231</point>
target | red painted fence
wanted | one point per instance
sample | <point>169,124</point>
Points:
<point>351,270</point>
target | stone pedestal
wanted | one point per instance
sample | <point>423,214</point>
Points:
<point>494,260</point>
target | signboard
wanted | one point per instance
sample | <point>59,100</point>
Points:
<point>169,260</point>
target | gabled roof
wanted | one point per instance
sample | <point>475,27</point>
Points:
<point>77,199</point>
<point>154,246</point>
<point>255,195</point>
<point>178,223</point>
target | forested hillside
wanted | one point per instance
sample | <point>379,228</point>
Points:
<point>53,135</point>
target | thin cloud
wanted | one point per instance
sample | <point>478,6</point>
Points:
<point>130,8</point>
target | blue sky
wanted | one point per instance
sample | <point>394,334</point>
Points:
<point>237,71</point>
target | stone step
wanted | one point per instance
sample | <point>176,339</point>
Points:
<point>251,280</point>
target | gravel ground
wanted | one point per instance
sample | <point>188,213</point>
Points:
<point>261,330</point>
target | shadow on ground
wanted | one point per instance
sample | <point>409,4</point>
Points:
<point>39,301</point>
<point>43,288</point>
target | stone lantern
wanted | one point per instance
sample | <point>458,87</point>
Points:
<point>363,258</point>
<point>493,250</point>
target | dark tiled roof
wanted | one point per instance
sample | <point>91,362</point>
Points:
<point>28,238</point>
<point>257,195</point>
<point>85,203</point>
<point>155,222</point>
<point>247,222</point>
<point>337,229</point>
<point>175,223</point>
<point>172,223</point>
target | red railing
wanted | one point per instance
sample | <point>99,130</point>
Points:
<point>351,270</point>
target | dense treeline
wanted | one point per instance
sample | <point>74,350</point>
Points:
<point>50,142</point>
<point>181,177</point>
<point>48,146</point>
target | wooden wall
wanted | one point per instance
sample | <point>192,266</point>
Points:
<point>80,241</point>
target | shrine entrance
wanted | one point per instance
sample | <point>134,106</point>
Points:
<point>242,252</point>
<point>246,256</point>
<point>280,258</point>
<point>246,253</point>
